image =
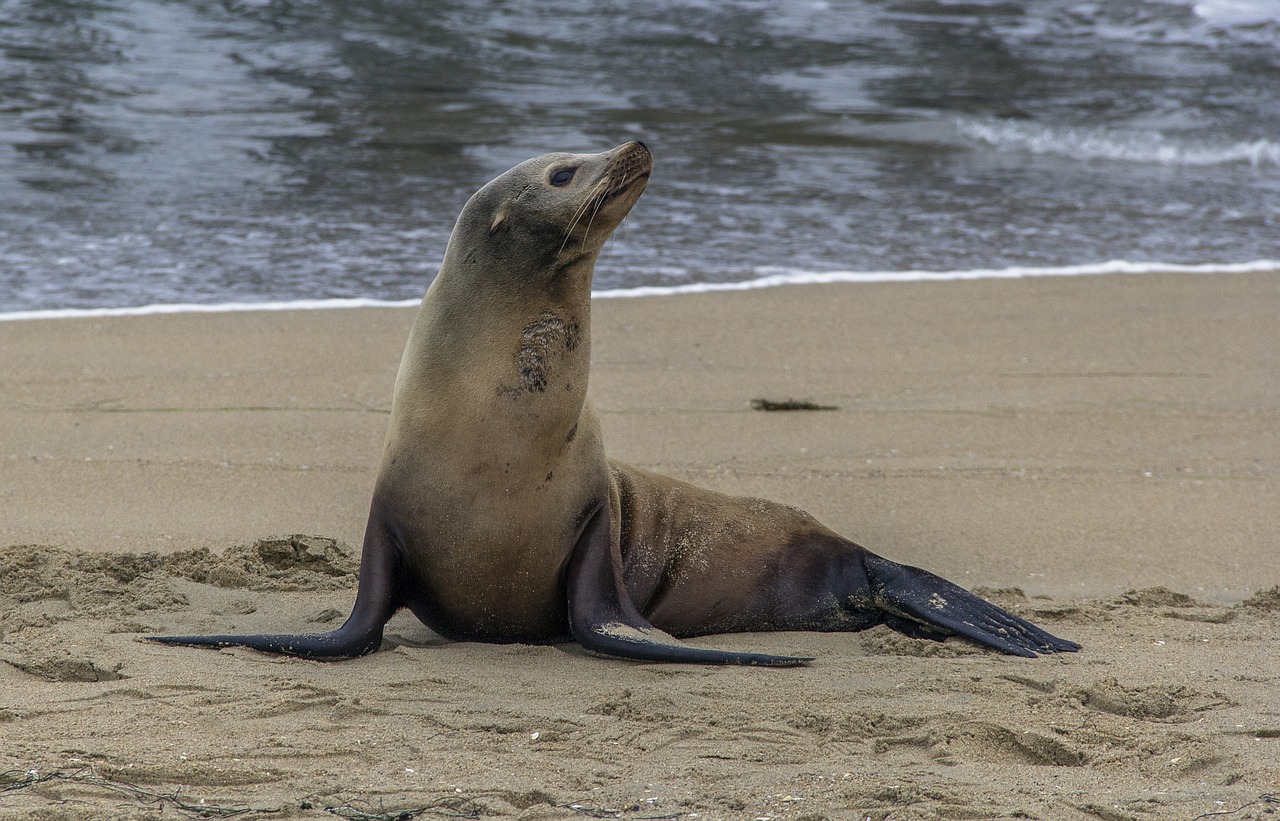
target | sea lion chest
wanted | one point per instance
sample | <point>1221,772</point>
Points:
<point>493,461</point>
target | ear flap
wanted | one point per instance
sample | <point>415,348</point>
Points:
<point>499,221</point>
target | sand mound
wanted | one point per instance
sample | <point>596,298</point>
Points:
<point>45,592</point>
<point>288,563</point>
<point>1268,600</point>
<point>99,584</point>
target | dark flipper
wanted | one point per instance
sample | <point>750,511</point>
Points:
<point>605,620</point>
<point>926,605</point>
<point>362,632</point>
<point>347,641</point>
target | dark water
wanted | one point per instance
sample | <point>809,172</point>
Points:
<point>162,151</point>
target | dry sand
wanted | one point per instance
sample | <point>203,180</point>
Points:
<point>1100,454</point>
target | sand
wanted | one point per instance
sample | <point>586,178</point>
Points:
<point>1099,454</point>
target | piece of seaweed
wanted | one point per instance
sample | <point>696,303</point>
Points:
<point>789,405</point>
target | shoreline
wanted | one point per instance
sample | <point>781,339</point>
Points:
<point>1099,454</point>
<point>768,277</point>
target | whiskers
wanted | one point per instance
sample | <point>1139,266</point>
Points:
<point>626,168</point>
<point>599,193</point>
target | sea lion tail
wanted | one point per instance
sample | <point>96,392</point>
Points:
<point>923,605</point>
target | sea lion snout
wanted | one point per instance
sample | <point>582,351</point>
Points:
<point>631,162</point>
<point>635,152</point>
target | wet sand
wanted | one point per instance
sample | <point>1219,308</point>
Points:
<point>1100,454</point>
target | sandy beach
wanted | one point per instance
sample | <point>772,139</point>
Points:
<point>1099,454</point>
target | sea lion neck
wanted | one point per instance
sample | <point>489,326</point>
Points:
<point>477,332</point>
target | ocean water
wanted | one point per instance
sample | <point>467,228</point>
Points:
<point>187,153</point>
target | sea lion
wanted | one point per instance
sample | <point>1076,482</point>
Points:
<point>497,517</point>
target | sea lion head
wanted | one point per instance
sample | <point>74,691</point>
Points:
<point>549,213</point>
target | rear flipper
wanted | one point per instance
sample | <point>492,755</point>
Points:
<point>362,632</point>
<point>927,606</point>
<point>605,620</point>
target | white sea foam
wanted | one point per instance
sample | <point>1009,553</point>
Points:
<point>767,277</point>
<point>1118,145</point>
<point>773,277</point>
<point>1237,12</point>
<point>212,308</point>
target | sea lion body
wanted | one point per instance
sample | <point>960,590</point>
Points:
<point>496,515</point>
<point>697,562</point>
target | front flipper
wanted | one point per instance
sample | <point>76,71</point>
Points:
<point>342,643</point>
<point>362,632</point>
<point>605,620</point>
<point>927,605</point>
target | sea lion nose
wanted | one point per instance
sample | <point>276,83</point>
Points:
<point>634,155</point>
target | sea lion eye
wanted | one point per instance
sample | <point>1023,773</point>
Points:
<point>562,176</point>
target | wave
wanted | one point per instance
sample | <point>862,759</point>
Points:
<point>766,277</point>
<point>774,277</point>
<point>1237,12</point>
<point>1098,143</point>
<point>210,308</point>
